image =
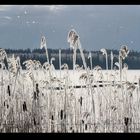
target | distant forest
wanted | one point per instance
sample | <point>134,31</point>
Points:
<point>133,59</point>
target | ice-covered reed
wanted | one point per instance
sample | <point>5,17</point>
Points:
<point>123,53</point>
<point>90,57</point>
<point>37,100</point>
<point>112,57</point>
<point>91,107</point>
<point>44,45</point>
<point>74,40</point>
<point>104,52</point>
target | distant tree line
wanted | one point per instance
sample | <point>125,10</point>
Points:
<point>133,59</point>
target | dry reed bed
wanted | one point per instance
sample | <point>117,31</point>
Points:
<point>37,100</point>
<point>42,108</point>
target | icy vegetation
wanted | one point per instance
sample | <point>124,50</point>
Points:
<point>42,99</point>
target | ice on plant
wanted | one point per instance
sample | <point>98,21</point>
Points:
<point>41,98</point>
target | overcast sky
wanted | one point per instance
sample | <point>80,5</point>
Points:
<point>99,26</point>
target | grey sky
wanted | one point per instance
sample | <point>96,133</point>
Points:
<point>99,26</point>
